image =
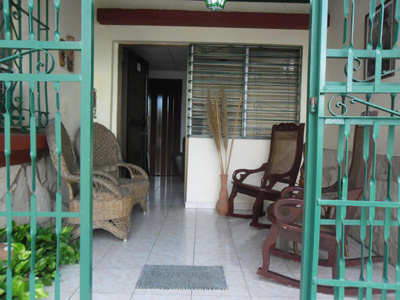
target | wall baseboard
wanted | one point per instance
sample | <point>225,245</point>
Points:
<point>211,205</point>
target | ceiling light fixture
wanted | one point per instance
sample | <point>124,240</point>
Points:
<point>215,5</point>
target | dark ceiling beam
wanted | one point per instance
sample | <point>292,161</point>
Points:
<point>153,17</point>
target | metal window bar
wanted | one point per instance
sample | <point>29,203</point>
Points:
<point>35,78</point>
<point>20,111</point>
<point>268,77</point>
<point>335,110</point>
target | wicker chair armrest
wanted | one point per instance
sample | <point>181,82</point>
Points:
<point>134,170</point>
<point>241,174</point>
<point>105,176</point>
<point>101,185</point>
<point>293,206</point>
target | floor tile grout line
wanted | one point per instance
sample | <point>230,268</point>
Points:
<point>155,241</point>
<point>237,256</point>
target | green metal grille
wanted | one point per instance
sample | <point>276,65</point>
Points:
<point>34,77</point>
<point>23,60</point>
<point>338,104</point>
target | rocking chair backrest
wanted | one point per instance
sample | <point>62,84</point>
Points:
<point>285,151</point>
<point>357,167</point>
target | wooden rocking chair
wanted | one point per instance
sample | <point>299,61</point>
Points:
<point>286,216</point>
<point>282,167</point>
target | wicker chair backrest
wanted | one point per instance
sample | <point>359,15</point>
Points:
<point>106,150</point>
<point>68,161</point>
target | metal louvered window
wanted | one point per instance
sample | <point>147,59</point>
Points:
<point>268,77</point>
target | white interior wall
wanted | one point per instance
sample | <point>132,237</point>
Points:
<point>202,166</point>
<point>335,70</point>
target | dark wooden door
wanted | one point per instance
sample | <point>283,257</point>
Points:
<point>136,129</point>
<point>165,104</point>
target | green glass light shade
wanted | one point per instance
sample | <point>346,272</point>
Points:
<point>215,5</point>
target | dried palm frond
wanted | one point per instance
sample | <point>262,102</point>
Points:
<point>212,121</point>
<point>233,135</point>
<point>217,113</point>
<point>224,119</point>
<point>218,123</point>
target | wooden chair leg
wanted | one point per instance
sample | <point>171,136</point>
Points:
<point>231,198</point>
<point>295,248</point>
<point>257,208</point>
<point>269,243</point>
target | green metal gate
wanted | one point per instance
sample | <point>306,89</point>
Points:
<point>337,104</point>
<point>17,50</point>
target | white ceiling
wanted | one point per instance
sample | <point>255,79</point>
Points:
<point>163,58</point>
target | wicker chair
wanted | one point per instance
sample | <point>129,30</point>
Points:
<point>107,157</point>
<point>112,204</point>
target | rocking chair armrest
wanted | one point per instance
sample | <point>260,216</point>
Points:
<point>330,189</point>
<point>134,170</point>
<point>241,174</point>
<point>273,178</point>
<point>289,191</point>
<point>294,207</point>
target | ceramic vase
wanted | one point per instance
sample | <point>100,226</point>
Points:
<point>222,203</point>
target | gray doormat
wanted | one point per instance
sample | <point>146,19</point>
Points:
<point>169,277</point>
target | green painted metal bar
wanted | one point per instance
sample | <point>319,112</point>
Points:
<point>57,7</point>
<point>86,194</point>
<point>349,283</point>
<point>361,53</point>
<point>363,217</point>
<point>372,198</point>
<point>57,276</point>
<point>33,218</point>
<point>346,23</point>
<point>331,222</point>
<point>38,45</point>
<point>314,146</point>
<point>7,153</point>
<point>360,88</point>
<point>41,77</point>
<point>40,214</point>
<point>358,203</point>
<point>343,153</point>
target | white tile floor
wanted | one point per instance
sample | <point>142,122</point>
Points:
<point>171,234</point>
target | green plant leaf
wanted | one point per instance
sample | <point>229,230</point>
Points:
<point>48,279</point>
<point>19,286</point>
<point>41,264</point>
<point>24,255</point>
<point>2,291</point>
<point>18,247</point>
<point>21,266</point>
<point>66,230</point>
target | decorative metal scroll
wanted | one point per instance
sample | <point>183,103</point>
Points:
<point>11,61</point>
<point>354,100</point>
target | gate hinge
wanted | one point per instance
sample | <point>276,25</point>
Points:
<point>313,104</point>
